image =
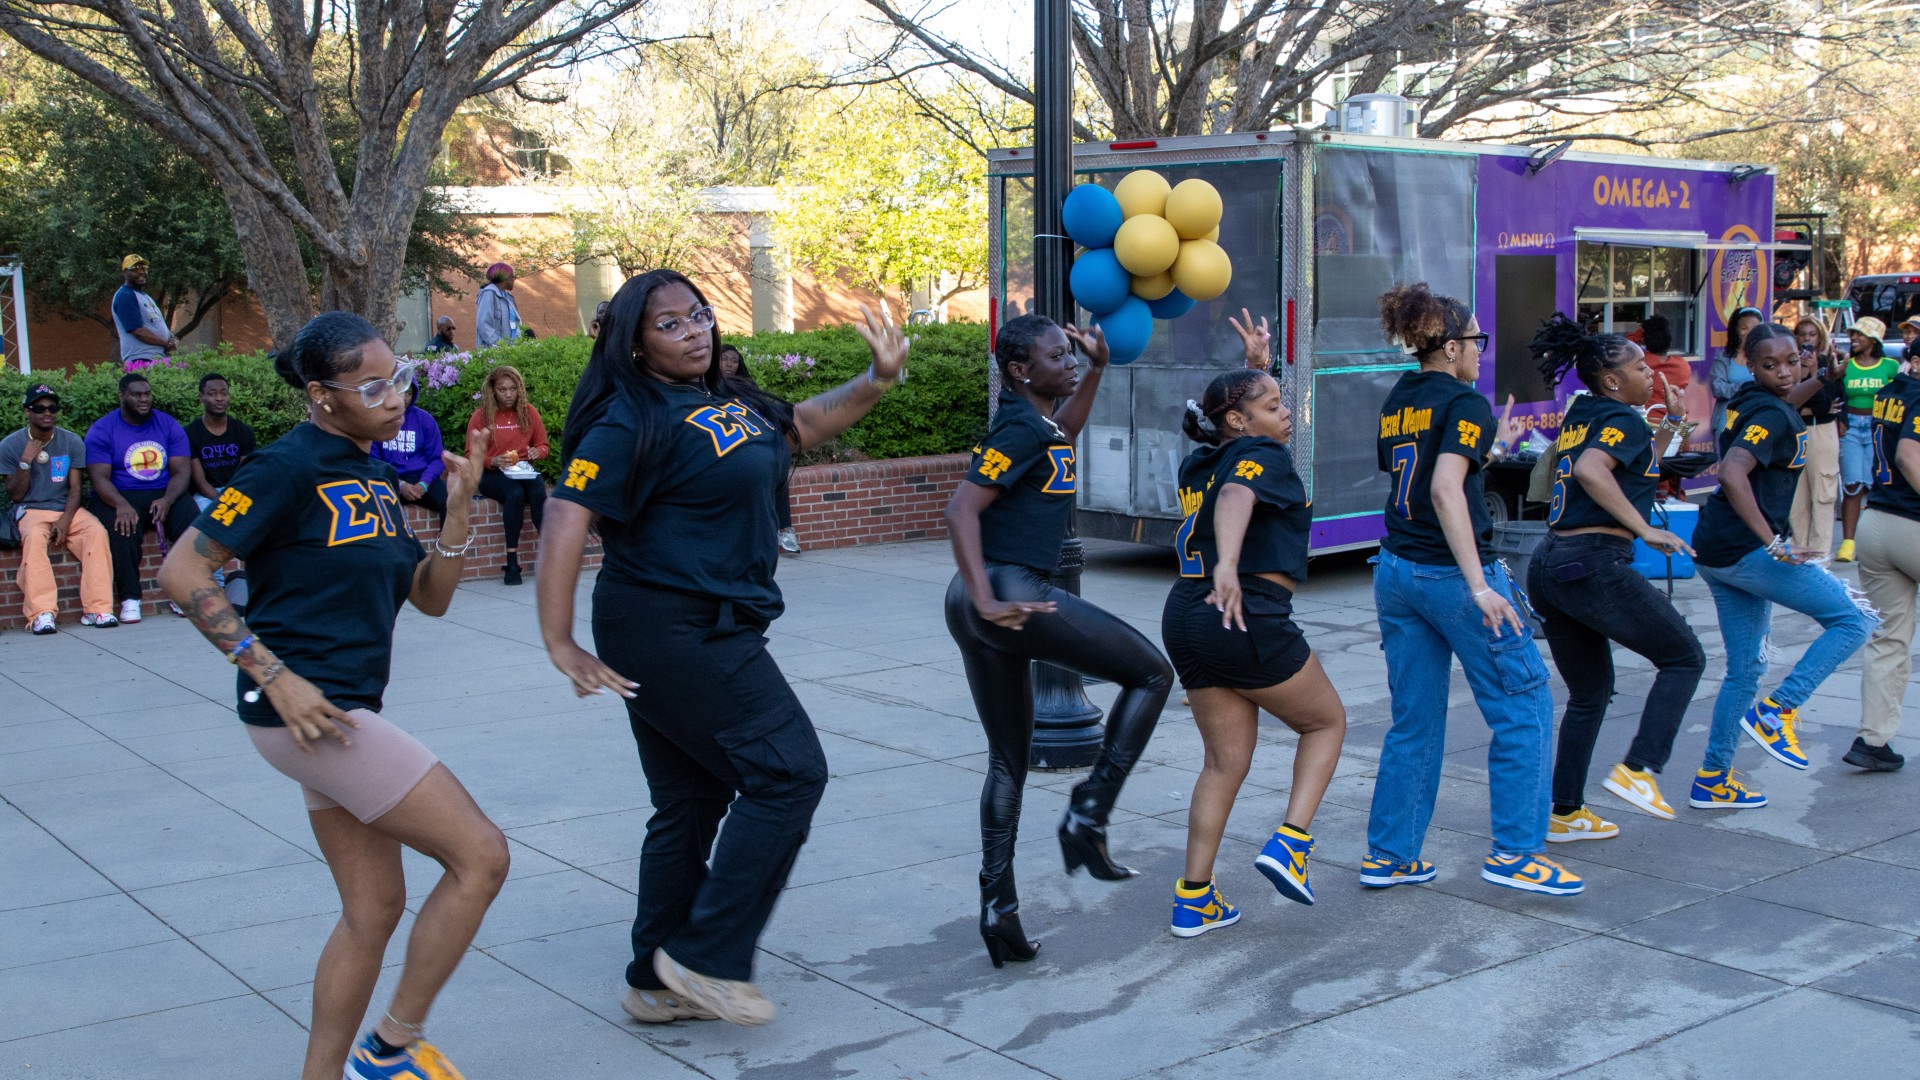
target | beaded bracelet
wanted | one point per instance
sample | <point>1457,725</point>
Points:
<point>234,654</point>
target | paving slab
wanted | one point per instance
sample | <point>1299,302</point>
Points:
<point>1840,1037</point>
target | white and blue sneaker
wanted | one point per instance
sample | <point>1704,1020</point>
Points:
<point>1196,911</point>
<point>1284,862</point>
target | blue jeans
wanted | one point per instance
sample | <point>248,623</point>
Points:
<point>1856,454</point>
<point>1427,617</point>
<point>1744,595</point>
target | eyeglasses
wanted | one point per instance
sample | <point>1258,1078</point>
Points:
<point>38,410</point>
<point>680,329</point>
<point>375,394</point>
<point>1479,340</point>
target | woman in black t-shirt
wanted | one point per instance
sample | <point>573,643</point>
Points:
<point>1228,626</point>
<point>1582,580</point>
<point>676,466</point>
<point>1008,522</point>
<point>1749,565</point>
<point>1439,593</point>
<point>330,560</point>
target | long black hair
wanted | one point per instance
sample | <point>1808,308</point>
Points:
<point>613,374</point>
<point>1204,421</point>
<point>325,349</point>
<point>1561,346</point>
<point>1734,345</point>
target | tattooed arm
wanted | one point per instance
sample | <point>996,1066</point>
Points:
<point>824,416</point>
<point>187,579</point>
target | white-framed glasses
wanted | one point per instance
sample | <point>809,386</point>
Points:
<point>375,394</point>
<point>680,328</point>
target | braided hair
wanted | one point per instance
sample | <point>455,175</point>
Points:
<point>1205,420</point>
<point>1765,331</point>
<point>1562,346</point>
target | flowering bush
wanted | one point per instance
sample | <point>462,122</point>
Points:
<point>158,361</point>
<point>789,362</point>
<point>441,370</point>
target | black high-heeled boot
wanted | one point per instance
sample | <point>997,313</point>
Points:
<point>1083,832</point>
<point>1000,922</point>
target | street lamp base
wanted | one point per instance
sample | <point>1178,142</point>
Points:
<point>1067,728</point>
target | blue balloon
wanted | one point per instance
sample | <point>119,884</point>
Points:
<point>1091,215</point>
<point>1099,283</point>
<point>1128,330</point>
<point>1171,306</point>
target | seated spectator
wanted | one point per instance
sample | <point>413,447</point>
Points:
<point>43,462</point>
<point>733,366</point>
<point>140,463</point>
<point>414,453</point>
<point>218,442</point>
<point>519,439</point>
<point>442,336</point>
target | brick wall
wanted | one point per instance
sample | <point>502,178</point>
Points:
<point>872,502</point>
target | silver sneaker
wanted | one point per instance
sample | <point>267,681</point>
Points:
<point>660,1007</point>
<point>733,1001</point>
<point>789,541</point>
<point>43,623</point>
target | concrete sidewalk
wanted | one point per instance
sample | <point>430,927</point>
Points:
<point>162,903</point>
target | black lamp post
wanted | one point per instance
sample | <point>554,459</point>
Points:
<point>1066,726</point>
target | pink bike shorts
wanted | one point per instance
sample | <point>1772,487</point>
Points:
<point>366,779</point>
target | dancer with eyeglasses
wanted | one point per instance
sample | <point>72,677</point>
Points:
<point>676,467</point>
<point>1742,551</point>
<point>330,560</point>
<point>1008,522</point>
<point>1228,627</point>
<point>1439,594</point>
<point>1582,580</point>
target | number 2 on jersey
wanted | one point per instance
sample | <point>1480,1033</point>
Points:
<point>1404,460</point>
<point>1191,564</point>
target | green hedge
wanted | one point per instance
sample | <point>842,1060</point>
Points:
<point>942,409</point>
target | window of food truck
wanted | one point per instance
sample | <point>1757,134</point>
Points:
<point>1620,286</point>
<point>1381,217</point>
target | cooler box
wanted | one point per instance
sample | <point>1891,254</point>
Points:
<point>1678,518</point>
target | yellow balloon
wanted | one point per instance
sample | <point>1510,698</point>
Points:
<point>1153,288</point>
<point>1194,209</point>
<point>1146,245</point>
<point>1142,192</point>
<point>1202,269</point>
<point>1214,235</point>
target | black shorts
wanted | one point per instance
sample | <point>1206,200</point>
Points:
<point>1268,652</point>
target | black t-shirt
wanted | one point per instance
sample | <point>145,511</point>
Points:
<point>1031,461</point>
<point>703,519</point>
<point>329,562</point>
<point>220,455</point>
<point>1276,540</point>
<point>1771,430</point>
<point>1616,430</point>
<point>1826,405</point>
<point>1896,416</point>
<point>1429,413</point>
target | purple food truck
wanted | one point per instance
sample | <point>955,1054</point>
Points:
<point>1320,223</point>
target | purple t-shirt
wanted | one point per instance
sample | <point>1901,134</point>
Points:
<point>138,453</point>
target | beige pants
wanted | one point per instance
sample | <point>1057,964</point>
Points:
<point>87,540</point>
<point>1889,552</point>
<point>1819,489</point>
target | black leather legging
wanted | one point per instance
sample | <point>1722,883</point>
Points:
<point>1079,637</point>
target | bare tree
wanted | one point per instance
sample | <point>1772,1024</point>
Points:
<point>1536,69</point>
<point>204,72</point>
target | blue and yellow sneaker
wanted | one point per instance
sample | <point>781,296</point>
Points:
<point>1533,873</point>
<point>1772,727</point>
<point>1385,873</point>
<point>1720,791</point>
<point>1284,861</point>
<point>419,1061</point>
<point>1197,911</point>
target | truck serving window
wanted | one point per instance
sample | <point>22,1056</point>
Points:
<point>1621,286</point>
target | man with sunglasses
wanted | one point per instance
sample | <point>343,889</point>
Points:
<point>140,462</point>
<point>43,463</point>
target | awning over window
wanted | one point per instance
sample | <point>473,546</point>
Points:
<point>1678,238</point>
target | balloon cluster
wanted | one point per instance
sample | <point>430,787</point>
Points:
<point>1151,251</point>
